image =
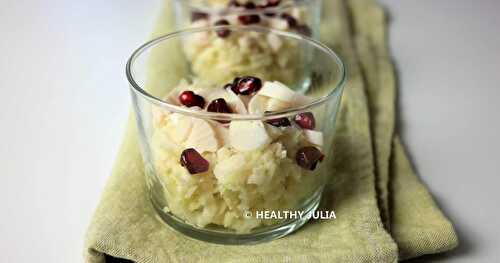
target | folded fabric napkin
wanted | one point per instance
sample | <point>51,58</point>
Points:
<point>384,213</point>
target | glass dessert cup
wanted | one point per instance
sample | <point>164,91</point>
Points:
<point>298,16</point>
<point>295,16</point>
<point>218,154</point>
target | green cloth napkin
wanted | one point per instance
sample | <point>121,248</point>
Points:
<point>384,213</point>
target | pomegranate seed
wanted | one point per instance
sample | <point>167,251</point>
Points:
<point>273,3</point>
<point>193,161</point>
<point>246,85</point>
<point>305,120</point>
<point>292,22</point>
<point>198,16</point>
<point>280,122</point>
<point>223,33</point>
<point>308,157</point>
<point>304,30</point>
<point>219,105</point>
<point>190,99</point>
<point>249,19</point>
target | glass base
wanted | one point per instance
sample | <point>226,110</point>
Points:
<point>225,237</point>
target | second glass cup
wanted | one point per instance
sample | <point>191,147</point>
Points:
<point>224,149</point>
<point>243,51</point>
<point>298,16</point>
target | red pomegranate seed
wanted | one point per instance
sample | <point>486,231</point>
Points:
<point>304,30</point>
<point>280,122</point>
<point>198,16</point>
<point>219,105</point>
<point>292,22</point>
<point>193,161</point>
<point>273,3</point>
<point>308,157</point>
<point>246,85</point>
<point>190,99</point>
<point>305,120</point>
<point>223,33</point>
<point>249,19</point>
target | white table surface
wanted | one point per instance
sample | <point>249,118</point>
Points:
<point>64,103</point>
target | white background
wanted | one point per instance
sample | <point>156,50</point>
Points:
<point>64,103</point>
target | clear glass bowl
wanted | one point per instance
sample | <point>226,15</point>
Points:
<point>211,174</point>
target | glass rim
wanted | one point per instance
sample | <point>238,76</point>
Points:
<point>137,89</point>
<point>238,11</point>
